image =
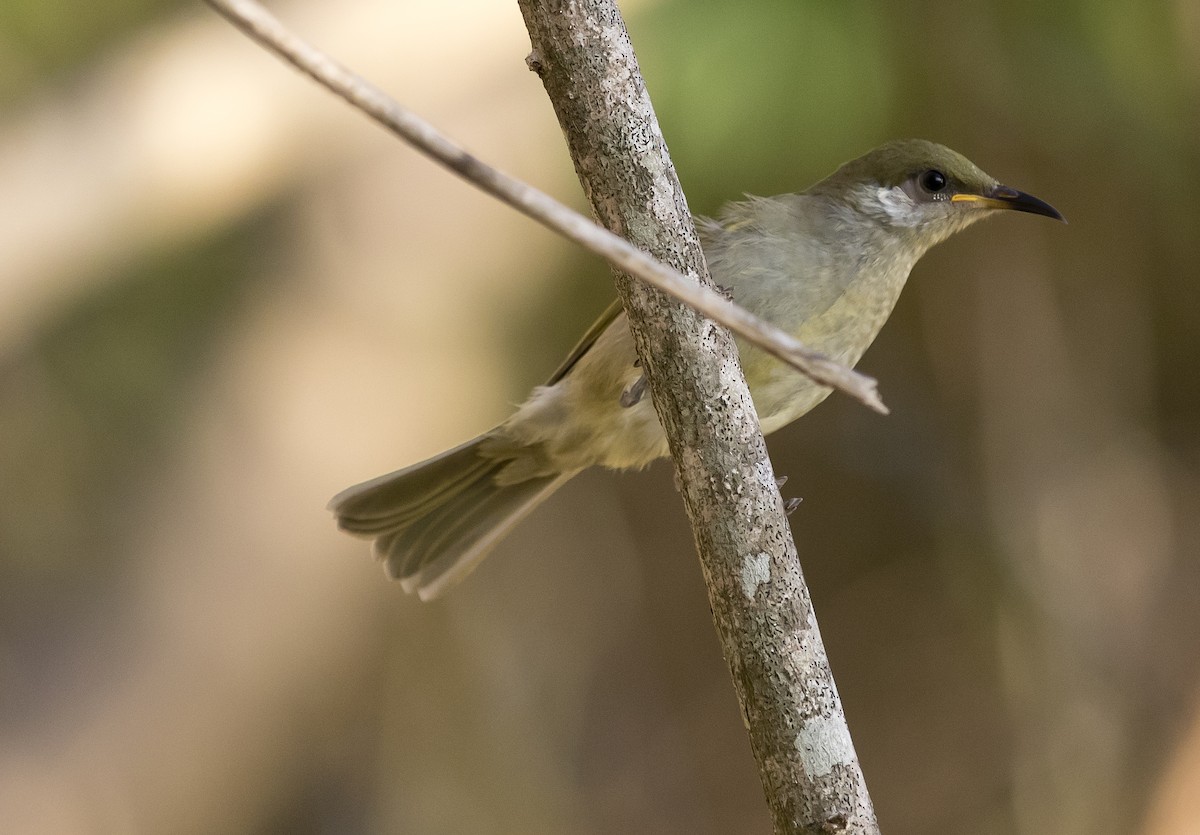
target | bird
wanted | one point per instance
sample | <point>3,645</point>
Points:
<point>826,265</point>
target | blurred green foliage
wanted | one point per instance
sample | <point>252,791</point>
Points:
<point>95,404</point>
<point>821,91</point>
<point>45,41</point>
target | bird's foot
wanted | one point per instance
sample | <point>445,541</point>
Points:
<point>634,393</point>
<point>788,504</point>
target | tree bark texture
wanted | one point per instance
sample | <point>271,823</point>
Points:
<point>759,600</point>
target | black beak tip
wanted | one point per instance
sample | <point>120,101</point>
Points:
<point>1022,202</point>
<point>1053,213</point>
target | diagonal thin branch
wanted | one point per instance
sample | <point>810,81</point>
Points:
<point>255,21</point>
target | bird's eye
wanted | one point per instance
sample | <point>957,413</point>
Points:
<point>933,180</point>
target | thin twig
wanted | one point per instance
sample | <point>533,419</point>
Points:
<point>260,25</point>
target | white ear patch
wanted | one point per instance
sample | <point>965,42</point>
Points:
<point>898,206</point>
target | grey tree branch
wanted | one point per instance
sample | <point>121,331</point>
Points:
<point>250,17</point>
<point>760,603</point>
<point>756,589</point>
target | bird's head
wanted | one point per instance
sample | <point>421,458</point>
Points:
<point>924,190</point>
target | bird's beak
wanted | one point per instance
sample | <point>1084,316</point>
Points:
<point>1003,197</point>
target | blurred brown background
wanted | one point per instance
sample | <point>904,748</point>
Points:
<point>224,296</point>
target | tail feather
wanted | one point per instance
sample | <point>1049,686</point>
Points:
<point>434,521</point>
<point>397,497</point>
<point>450,555</point>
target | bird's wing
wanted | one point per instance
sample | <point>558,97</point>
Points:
<point>707,228</point>
<point>589,339</point>
<point>774,260</point>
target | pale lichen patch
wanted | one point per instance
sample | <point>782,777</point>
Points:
<point>824,742</point>
<point>756,570</point>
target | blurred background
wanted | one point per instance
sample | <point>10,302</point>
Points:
<point>224,296</point>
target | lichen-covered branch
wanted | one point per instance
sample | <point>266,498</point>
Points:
<point>756,589</point>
